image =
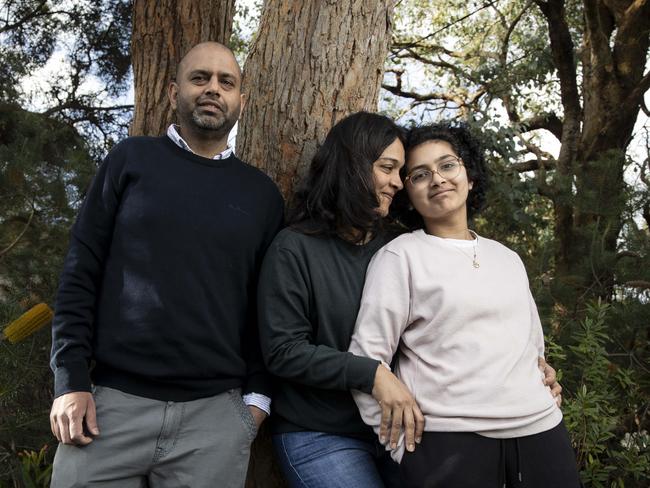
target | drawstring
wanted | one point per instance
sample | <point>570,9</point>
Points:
<point>502,444</point>
<point>518,460</point>
<point>503,477</point>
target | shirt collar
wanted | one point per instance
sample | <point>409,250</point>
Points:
<point>172,133</point>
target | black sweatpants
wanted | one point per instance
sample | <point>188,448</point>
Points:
<point>468,460</point>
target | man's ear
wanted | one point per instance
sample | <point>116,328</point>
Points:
<point>172,94</point>
<point>471,184</point>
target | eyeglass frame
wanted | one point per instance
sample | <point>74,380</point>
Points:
<point>433,171</point>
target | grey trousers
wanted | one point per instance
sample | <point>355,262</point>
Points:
<point>155,444</point>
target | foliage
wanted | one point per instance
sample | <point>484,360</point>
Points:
<point>53,129</point>
<point>25,395</point>
<point>247,16</point>
<point>564,122</point>
<point>606,405</point>
<point>45,168</point>
<point>82,48</point>
<point>36,468</point>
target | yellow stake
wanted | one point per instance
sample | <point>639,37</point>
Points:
<point>28,323</point>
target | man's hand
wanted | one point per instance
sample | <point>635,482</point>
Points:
<point>398,404</point>
<point>550,379</point>
<point>67,417</point>
<point>258,414</point>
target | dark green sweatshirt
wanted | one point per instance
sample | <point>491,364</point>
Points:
<point>308,298</point>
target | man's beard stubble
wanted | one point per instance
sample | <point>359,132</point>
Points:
<point>209,122</point>
<point>212,126</point>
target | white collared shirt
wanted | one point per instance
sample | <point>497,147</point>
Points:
<point>256,399</point>
<point>172,133</point>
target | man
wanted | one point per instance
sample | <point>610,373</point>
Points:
<point>158,291</point>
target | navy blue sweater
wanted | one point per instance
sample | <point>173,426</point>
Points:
<point>158,287</point>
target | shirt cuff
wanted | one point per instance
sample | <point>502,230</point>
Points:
<point>258,400</point>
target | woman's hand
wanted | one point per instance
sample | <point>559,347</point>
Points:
<point>398,409</point>
<point>550,379</point>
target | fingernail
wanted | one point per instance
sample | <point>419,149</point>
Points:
<point>418,440</point>
<point>393,445</point>
<point>411,447</point>
<point>382,439</point>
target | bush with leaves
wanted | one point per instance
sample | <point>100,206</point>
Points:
<point>605,408</point>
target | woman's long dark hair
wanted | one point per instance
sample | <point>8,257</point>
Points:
<point>468,147</point>
<point>337,196</point>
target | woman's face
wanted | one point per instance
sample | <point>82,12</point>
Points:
<point>385,174</point>
<point>440,198</point>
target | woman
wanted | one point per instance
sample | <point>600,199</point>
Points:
<point>458,307</point>
<point>309,293</point>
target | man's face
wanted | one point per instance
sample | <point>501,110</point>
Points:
<point>207,92</point>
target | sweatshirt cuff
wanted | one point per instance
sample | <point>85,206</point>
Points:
<point>257,400</point>
<point>71,377</point>
<point>360,374</point>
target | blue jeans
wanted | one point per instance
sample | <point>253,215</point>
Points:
<point>320,460</point>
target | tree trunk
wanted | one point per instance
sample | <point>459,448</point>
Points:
<point>312,63</point>
<point>589,186</point>
<point>163,31</point>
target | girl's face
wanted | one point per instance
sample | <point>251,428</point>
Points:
<point>437,183</point>
<point>385,174</point>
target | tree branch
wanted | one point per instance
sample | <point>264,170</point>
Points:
<point>563,58</point>
<point>397,46</point>
<point>396,90</point>
<point>627,254</point>
<point>548,121</point>
<point>36,12</point>
<point>22,233</point>
<point>76,105</point>
<point>631,42</point>
<point>511,28</point>
<point>644,107</point>
<point>636,95</point>
<point>533,165</point>
<point>644,285</point>
<point>598,27</point>
<point>452,23</point>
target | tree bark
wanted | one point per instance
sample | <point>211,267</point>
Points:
<point>589,185</point>
<point>312,63</point>
<point>163,31</point>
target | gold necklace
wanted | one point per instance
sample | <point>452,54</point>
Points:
<point>474,258</point>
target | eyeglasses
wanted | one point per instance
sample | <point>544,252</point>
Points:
<point>448,169</point>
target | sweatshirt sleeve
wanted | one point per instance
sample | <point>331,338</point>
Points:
<point>287,334</point>
<point>90,238</point>
<point>383,316</point>
<point>258,380</point>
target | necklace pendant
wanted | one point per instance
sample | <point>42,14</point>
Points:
<point>475,264</point>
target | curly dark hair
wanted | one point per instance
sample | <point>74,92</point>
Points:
<point>468,147</point>
<point>337,196</point>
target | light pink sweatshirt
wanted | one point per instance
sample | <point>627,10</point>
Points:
<point>470,337</point>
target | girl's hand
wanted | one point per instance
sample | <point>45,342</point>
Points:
<point>550,380</point>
